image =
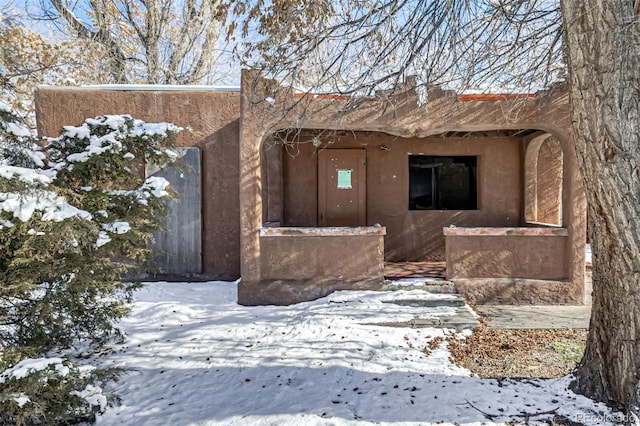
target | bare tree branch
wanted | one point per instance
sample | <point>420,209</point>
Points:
<point>358,47</point>
<point>102,36</point>
<point>154,41</point>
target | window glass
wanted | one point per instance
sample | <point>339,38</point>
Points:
<point>442,182</point>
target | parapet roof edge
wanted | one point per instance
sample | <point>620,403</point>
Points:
<point>147,87</point>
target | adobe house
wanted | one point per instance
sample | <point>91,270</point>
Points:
<point>303,195</point>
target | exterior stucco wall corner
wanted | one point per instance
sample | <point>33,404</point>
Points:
<point>250,183</point>
<point>212,115</point>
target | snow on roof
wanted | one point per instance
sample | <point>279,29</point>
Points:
<point>147,87</point>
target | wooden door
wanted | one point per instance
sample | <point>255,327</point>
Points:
<point>342,187</point>
<point>180,244</point>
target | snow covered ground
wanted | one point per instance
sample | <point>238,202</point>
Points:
<point>195,357</point>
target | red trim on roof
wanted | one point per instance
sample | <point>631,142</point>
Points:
<point>465,97</point>
<point>494,96</point>
<point>321,96</point>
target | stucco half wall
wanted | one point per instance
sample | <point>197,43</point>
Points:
<point>267,107</point>
<point>211,120</point>
<point>300,264</point>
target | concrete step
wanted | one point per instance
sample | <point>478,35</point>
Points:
<point>462,319</point>
<point>453,302</point>
<point>426,284</point>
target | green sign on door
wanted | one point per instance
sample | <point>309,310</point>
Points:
<point>344,179</point>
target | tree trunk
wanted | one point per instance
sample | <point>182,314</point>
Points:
<point>150,41</point>
<point>603,47</point>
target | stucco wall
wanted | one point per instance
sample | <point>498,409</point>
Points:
<point>321,253</point>
<point>412,235</point>
<point>301,264</point>
<point>213,118</point>
<point>507,253</point>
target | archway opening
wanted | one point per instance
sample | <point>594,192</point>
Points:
<point>543,182</point>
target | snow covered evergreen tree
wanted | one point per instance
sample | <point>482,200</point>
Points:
<point>75,216</point>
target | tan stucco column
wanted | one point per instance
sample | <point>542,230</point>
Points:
<point>250,187</point>
<point>574,215</point>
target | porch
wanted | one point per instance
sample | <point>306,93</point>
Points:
<point>499,201</point>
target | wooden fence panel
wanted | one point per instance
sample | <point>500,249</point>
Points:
<point>180,246</point>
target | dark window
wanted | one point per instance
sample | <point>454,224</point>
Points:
<point>442,183</point>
